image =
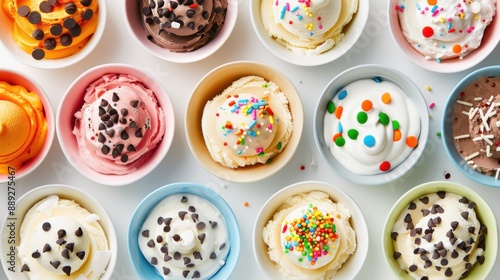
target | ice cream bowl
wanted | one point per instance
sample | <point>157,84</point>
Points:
<point>142,266</point>
<point>352,31</point>
<point>351,267</point>
<point>16,78</point>
<point>72,102</point>
<point>376,72</point>
<point>135,26</point>
<point>489,41</point>
<point>10,231</point>
<point>447,130</point>
<point>213,84</point>
<point>6,37</point>
<point>483,211</point>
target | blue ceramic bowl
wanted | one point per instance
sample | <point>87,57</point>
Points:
<point>447,133</point>
<point>142,267</point>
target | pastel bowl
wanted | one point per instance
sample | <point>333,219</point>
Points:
<point>351,267</point>
<point>489,42</point>
<point>348,76</point>
<point>142,267</point>
<point>7,39</point>
<point>447,131</point>
<point>483,211</point>
<point>72,102</point>
<point>137,31</point>
<point>17,78</point>
<point>27,200</point>
<point>214,83</point>
<point>352,33</point>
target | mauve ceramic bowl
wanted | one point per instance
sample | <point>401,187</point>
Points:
<point>26,201</point>
<point>489,42</point>
<point>72,102</point>
<point>26,58</point>
<point>213,84</point>
<point>16,78</point>
<point>137,31</point>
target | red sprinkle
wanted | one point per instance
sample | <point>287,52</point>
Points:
<point>302,167</point>
<point>269,111</point>
<point>385,166</point>
<point>284,228</point>
<point>399,8</point>
<point>427,32</point>
<point>193,6</point>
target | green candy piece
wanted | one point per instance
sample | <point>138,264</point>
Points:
<point>340,141</point>
<point>383,118</point>
<point>353,133</point>
<point>279,146</point>
<point>395,125</point>
<point>362,117</point>
<point>331,107</point>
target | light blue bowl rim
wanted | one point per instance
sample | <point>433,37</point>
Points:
<point>446,129</point>
<point>141,266</point>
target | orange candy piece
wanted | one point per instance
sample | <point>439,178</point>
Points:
<point>386,98</point>
<point>338,112</point>
<point>337,135</point>
<point>397,135</point>
<point>457,48</point>
<point>366,105</point>
<point>432,2</point>
<point>411,141</point>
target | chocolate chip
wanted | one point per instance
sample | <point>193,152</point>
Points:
<point>60,241</point>
<point>463,200</point>
<point>196,274</point>
<point>101,138</point>
<point>454,225</point>
<point>450,234</point>
<point>427,237</point>
<point>105,150</point>
<point>182,214</point>
<point>480,259</point>
<point>66,40</point>
<point>200,225</point>
<point>75,31</point>
<point>161,3</point>
<point>70,247</point>
<point>201,237</point>
<point>61,233</point>
<point>131,148</point>
<point>205,15</point>
<point>46,248</point>
<point>35,255</point>
<point>167,221</point>
<point>53,2</point>
<point>23,11</point>
<point>441,194</point>
<point>124,158</point>
<point>437,220</point>
<point>104,103</point>
<point>472,205</point>
<point>132,125</point>
<point>67,270</point>
<point>394,235</point>
<point>138,133</point>
<point>70,8</point>
<point>185,273</point>
<point>87,14</point>
<point>453,240</point>
<point>424,199</point>
<point>174,4</point>
<point>123,120</point>
<point>117,150</point>
<point>213,224</point>
<point>448,272</point>
<point>197,255</point>
<point>176,238</point>
<point>166,258</point>
<point>69,23</point>
<point>86,3</point>
<point>222,246</point>
<point>124,112</point>
<point>46,226</point>
<point>38,34</point>
<point>412,206</point>
<point>213,256</point>
<point>80,255</point>
<point>146,11</point>
<point>164,249</point>
<point>471,230</point>
<point>159,239</point>
<point>470,240</point>
<point>134,103</point>
<point>417,241</point>
<point>166,270</point>
<point>427,264</point>
<point>56,29</point>
<point>396,255</point>
<point>124,135</point>
<point>25,267</point>
<point>465,215</point>
<point>151,243</point>
<point>483,229</point>
<point>190,13</point>
<point>145,233</point>
<point>194,217</point>
<point>45,7</point>
<point>65,253</point>
<point>38,54</point>
<point>115,97</point>
<point>177,256</point>
<point>50,44</point>
<point>454,254</point>
<point>407,218</point>
<point>154,261</point>
<point>413,268</point>
<point>166,229</point>
<point>435,255</point>
<point>425,212</point>
<point>186,260</point>
<point>466,258</point>
<point>218,10</point>
<point>110,132</point>
<point>192,209</point>
<point>55,264</point>
<point>431,223</point>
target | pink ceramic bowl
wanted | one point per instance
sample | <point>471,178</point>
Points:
<point>490,40</point>
<point>134,24</point>
<point>72,102</point>
<point>16,78</point>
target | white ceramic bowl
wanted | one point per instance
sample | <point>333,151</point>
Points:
<point>26,58</point>
<point>489,42</point>
<point>369,72</point>
<point>483,210</point>
<point>72,102</point>
<point>351,267</point>
<point>352,33</point>
<point>214,83</point>
<point>17,78</point>
<point>26,201</point>
<point>134,24</point>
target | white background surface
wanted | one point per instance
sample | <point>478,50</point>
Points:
<point>374,46</point>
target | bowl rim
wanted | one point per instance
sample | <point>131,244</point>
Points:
<point>33,86</point>
<point>65,191</point>
<point>445,66</point>
<point>370,71</point>
<point>147,204</point>
<point>199,54</point>
<point>161,149</point>
<point>432,187</point>
<point>59,63</point>
<point>359,224</point>
<point>347,43</point>
<point>447,132</point>
<point>284,157</point>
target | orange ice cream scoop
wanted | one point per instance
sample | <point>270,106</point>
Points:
<point>52,29</point>
<point>23,126</point>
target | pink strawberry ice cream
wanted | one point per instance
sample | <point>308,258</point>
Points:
<point>119,125</point>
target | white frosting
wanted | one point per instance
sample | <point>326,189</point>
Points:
<point>374,149</point>
<point>446,29</point>
<point>180,236</point>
